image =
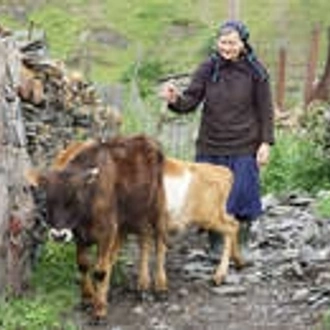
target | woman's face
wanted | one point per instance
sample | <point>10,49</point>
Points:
<point>230,45</point>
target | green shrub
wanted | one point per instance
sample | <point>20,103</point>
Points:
<point>296,163</point>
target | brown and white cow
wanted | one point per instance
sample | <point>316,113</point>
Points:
<point>99,192</point>
<point>197,194</point>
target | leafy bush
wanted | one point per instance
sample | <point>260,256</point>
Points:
<point>316,124</point>
<point>296,163</point>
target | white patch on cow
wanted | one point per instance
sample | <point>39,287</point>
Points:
<point>94,171</point>
<point>61,235</point>
<point>176,190</point>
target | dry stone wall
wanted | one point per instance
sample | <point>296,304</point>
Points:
<point>43,106</point>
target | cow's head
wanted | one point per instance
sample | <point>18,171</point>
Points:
<point>68,197</point>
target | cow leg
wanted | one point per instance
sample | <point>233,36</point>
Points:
<point>222,268</point>
<point>161,277</point>
<point>143,284</point>
<point>86,284</point>
<point>226,226</point>
<point>106,257</point>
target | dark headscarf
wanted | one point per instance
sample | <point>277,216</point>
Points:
<point>244,35</point>
<point>238,26</point>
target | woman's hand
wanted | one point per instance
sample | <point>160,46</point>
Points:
<point>169,92</point>
<point>263,154</point>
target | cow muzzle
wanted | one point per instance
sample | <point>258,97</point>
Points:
<point>60,235</point>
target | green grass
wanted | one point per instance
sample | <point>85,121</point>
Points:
<point>325,325</point>
<point>322,205</point>
<point>170,31</point>
<point>49,304</point>
<point>62,29</point>
<point>52,296</point>
<point>41,312</point>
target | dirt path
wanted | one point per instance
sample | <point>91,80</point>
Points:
<point>194,304</point>
<point>273,294</point>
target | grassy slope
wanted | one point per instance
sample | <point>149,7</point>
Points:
<point>170,30</point>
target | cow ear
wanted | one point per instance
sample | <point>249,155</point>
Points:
<point>34,177</point>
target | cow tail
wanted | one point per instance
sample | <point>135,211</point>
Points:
<point>157,196</point>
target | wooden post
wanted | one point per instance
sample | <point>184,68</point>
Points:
<point>30,31</point>
<point>322,90</point>
<point>311,64</point>
<point>280,84</point>
<point>233,9</point>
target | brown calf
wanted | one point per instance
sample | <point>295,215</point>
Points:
<point>100,191</point>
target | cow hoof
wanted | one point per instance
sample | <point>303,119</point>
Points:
<point>161,295</point>
<point>98,321</point>
<point>144,296</point>
<point>218,280</point>
<point>240,264</point>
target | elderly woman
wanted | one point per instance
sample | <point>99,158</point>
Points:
<point>236,127</point>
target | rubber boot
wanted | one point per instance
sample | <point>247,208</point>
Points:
<point>244,233</point>
<point>215,246</point>
<point>244,238</point>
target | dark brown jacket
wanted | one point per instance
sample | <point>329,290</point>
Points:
<point>237,112</point>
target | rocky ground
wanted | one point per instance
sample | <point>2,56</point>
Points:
<point>286,288</point>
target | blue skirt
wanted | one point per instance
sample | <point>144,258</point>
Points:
<point>244,200</point>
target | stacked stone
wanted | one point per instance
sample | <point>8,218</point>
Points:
<point>58,106</point>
